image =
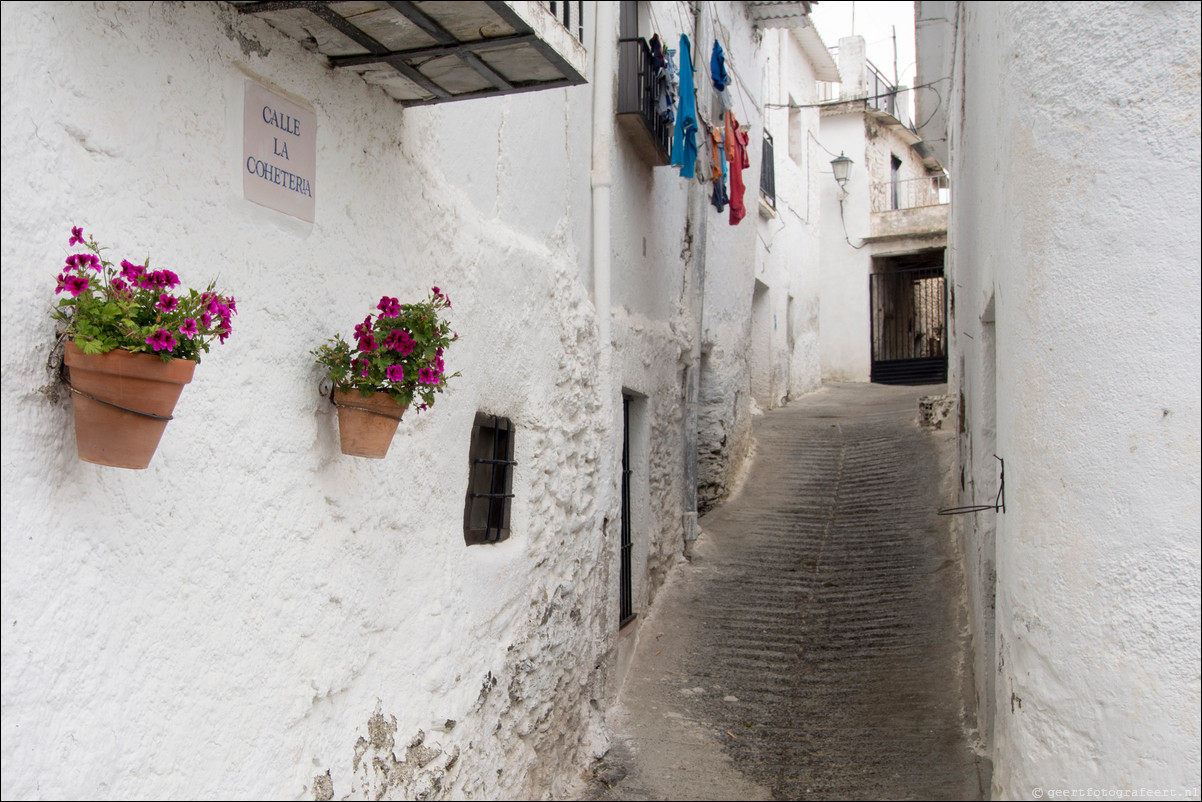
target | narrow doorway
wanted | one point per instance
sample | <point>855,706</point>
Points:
<point>908,307</point>
<point>626,547</point>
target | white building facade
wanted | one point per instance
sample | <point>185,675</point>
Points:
<point>257,615</point>
<point>884,234</point>
<point>1073,136</point>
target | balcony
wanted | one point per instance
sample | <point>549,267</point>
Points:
<point>911,208</point>
<point>421,53</point>
<point>649,129</point>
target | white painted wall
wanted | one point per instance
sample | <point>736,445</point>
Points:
<point>843,322</point>
<point>789,244</point>
<point>1087,262</point>
<point>255,614</point>
<point>854,234</point>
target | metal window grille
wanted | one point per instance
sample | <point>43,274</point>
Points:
<point>768,171</point>
<point>625,592</point>
<point>569,13</point>
<point>490,483</point>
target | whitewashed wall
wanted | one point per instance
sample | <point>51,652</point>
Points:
<point>846,263</point>
<point>1074,249</point>
<point>788,238</point>
<point>256,615</point>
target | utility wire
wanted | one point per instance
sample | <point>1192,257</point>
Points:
<point>828,103</point>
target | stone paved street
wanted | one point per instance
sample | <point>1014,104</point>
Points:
<point>814,647</point>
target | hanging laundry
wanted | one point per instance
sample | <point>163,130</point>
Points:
<point>684,134</point>
<point>657,53</point>
<point>736,154</point>
<point>718,197</point>
<point>665,90</point>
<point>718,68</point>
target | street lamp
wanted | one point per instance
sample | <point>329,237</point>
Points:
<point>842,167</point>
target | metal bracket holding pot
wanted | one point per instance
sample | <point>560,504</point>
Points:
<point>371,410</point>
<point>64,374</point>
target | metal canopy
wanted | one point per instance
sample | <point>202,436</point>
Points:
<point>435,51</point>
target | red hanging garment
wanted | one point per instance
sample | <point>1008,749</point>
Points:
<point>736,155</point>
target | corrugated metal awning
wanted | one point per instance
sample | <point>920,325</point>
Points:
<point>778,14</point>
<point>435,51</point>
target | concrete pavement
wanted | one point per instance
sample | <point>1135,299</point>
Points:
<point>815,644</point>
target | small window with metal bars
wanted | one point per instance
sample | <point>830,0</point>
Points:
<point>490,482</point>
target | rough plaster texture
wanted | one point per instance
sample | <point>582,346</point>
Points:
<point>256,614</point>
<point>1076,351</point>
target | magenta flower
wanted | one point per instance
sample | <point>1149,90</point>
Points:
<point>61,284</point>
<point>401,342</point>
<point>363,328</point>
<point>188,328</point>
<point>395,373</point>
<point>427,376</point>
<point>82,261</point>
<point>389,307</point>
<point>76,236</point>
<point>163,279</point>
<point>437,292</point>
<point>167,303</point>
<point>131,272</point>
<point>230,302</point>
<point>364,365</point>
<point>367,343</point>
<point>76,284</point>
<point>206,320</point>
<point>162,340</point>
<point>119,286</point>
<point>223,334</point>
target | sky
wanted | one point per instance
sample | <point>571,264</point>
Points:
<point>874,20</point>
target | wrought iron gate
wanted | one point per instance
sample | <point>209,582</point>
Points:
<point>909,331</point>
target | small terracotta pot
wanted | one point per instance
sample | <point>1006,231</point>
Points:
<point>110,390</point>
<point>366,424</point>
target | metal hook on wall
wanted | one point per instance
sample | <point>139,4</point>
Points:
<point>999,501</point>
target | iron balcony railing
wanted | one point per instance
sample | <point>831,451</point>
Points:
<point>768,172</point>
<point>911,193</point>
<point>881,94</point>
<point>569,14</point>
<point>637,92</point>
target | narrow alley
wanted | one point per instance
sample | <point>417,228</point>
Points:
<point>815,645</point>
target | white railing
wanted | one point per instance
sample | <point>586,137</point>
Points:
<point>911,193</point>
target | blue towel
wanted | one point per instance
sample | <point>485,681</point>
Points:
<point>684,134</point>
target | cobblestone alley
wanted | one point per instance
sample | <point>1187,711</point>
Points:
<point>814,647</point>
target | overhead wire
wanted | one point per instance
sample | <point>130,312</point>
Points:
<point>829,103</point>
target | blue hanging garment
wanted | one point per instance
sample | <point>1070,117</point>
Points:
<point>718,68</point>
<point>684,134</point>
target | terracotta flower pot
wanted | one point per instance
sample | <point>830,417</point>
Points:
<point>366,424</point>
<point>122,403</point>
